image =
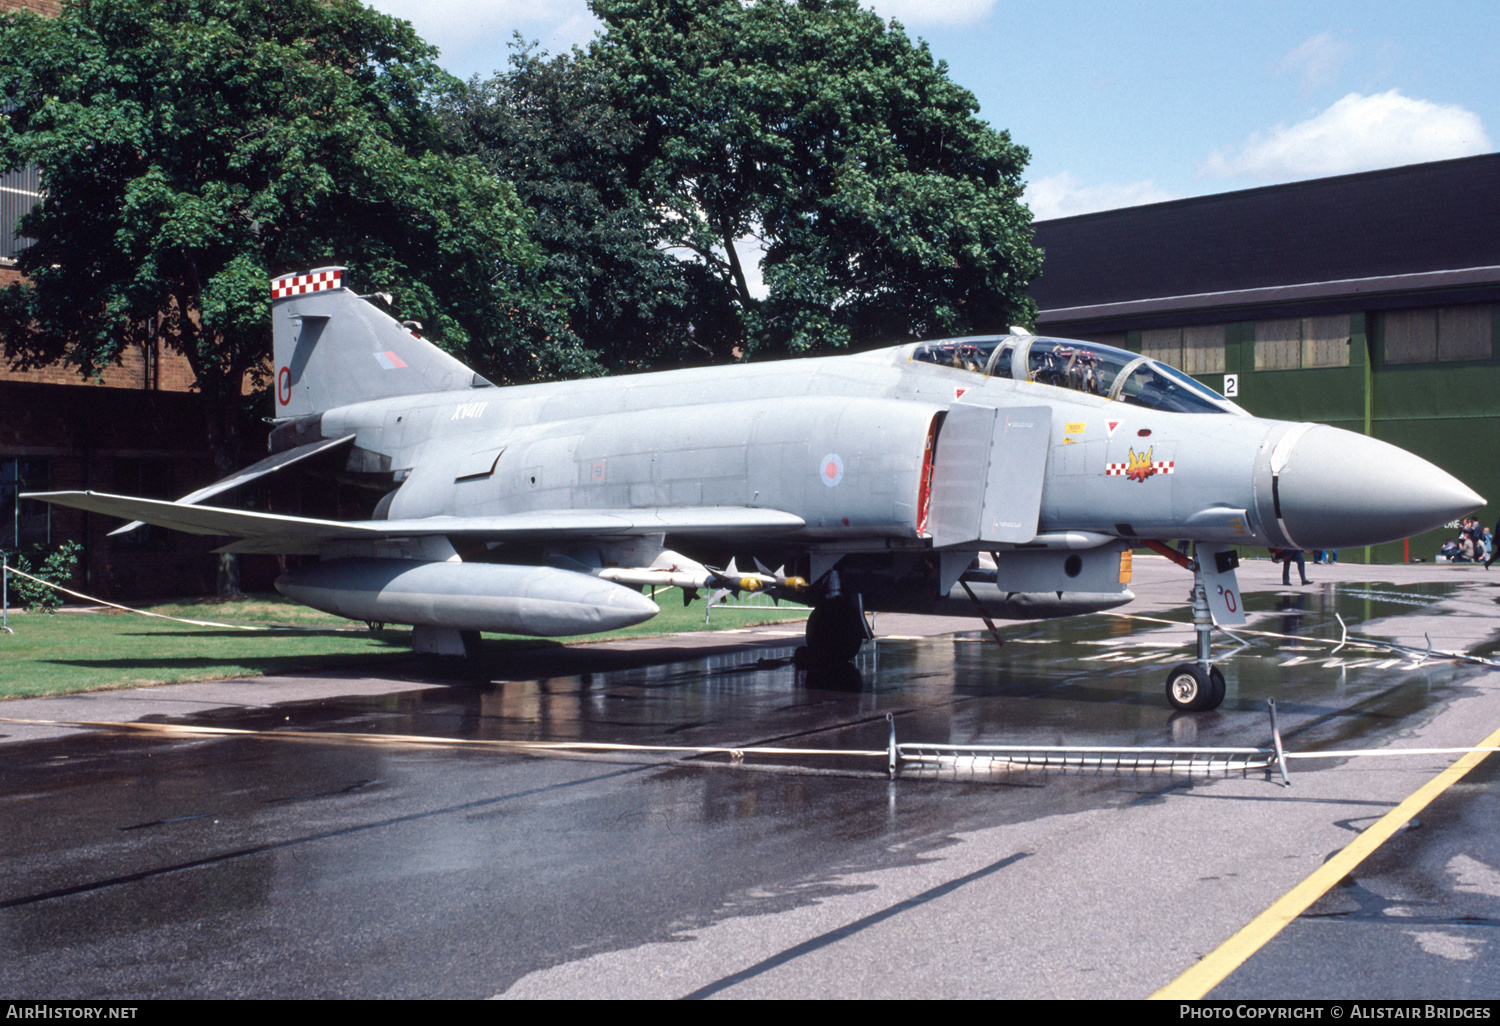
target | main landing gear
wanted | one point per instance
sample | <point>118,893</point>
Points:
<point>836,628</point>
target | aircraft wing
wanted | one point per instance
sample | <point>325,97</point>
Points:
<point>278,533</point>
<point>269,465</point>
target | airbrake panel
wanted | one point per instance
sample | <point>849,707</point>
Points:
<point>988,475</point>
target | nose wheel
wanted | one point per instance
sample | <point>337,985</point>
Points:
<point>1198,686</point>
<point>1191,688</point>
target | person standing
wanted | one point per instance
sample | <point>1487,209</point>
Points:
<point>1287,555</point>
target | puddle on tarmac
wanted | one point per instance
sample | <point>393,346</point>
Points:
<point>1095,680</point>
<point>1100,679</point>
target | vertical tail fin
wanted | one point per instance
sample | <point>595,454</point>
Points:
<point>333,348</point>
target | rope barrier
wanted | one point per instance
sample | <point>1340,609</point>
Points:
<point>188,730</point>
<point>913,752</point>
<point>160,616</point>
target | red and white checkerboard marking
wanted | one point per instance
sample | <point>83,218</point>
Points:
<point>1119,469</point>
<point>301,284</point>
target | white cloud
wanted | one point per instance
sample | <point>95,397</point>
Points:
<point>1317,60</point>
<point>475,36</point>
<point>912,13</point>
<point>1060,195</point>
<point>1358,133</point>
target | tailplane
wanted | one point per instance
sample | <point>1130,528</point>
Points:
<point>334,348</point>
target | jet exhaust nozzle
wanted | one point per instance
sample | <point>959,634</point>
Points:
<point>534,600</point>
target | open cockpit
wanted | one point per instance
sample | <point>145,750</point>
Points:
<point>1087,367</point>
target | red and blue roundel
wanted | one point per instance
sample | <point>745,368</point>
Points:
<point>831,469</point>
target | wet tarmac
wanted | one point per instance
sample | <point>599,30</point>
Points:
<point>139,865</point>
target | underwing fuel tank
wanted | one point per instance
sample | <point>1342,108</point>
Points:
<point>535,600</point>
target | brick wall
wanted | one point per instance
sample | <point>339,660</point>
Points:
<point>88,437</point>
<point>46,8</point>
<point>170,373</point>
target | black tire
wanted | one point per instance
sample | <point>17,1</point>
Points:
<point>835,630</point>
<point>1216,682</point>
<point>1189,689</point>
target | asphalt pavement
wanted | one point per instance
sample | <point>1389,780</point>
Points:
<point>270,863</point>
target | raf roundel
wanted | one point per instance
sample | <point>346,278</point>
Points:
<point>831,469</point>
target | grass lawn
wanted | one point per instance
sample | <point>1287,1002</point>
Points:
<point>52,654</point>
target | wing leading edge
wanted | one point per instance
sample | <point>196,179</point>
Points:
<point>278,533</point>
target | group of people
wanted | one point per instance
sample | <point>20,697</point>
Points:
<point>1474,544</point>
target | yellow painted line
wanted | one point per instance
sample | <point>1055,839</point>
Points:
<point>1229,956</point>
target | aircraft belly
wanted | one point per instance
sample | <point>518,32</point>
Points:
<point>1021,605</point>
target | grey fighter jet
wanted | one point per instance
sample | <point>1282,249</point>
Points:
<point>1003,476</point>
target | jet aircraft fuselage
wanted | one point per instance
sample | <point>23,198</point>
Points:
<point>1004,475</point>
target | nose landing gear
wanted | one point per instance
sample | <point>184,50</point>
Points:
<point>1190,689</point>
<point>1199,686</point>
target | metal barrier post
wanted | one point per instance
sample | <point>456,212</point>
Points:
<point>5,592</point>
<point>1276,743</point>
<point>892,756</point>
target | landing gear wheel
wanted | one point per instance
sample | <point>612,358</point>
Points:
<point>1192,690</point>
<point>1216,680</point>
<point>835,630</point>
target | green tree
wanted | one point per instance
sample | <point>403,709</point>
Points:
<point>553,129</point>
<point>189,149</point>
<point>886,209</point>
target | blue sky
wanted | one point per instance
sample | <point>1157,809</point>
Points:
<point>1123,103</point>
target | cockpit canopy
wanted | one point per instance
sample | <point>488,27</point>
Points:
<point>1080,366</point>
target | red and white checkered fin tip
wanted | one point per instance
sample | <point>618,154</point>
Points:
<point>313,281</point>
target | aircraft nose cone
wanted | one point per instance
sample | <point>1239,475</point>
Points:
<point>1339,490</point>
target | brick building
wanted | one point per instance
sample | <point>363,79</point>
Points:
<point>138,429</point>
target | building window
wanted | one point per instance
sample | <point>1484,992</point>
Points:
<point>1446,334</point>
<point>1298,342</point>
<point>1196,351</point>
<point>149,479</point>
<point>23,522</point>
<point>19,192</point>
<point>1464,332</point>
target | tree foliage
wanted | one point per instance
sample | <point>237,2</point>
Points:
<point>885,208</point>
<point>190,149</point>
<point>553,129</point>
<point>56,567</point>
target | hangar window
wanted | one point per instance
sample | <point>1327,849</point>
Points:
<point>1195,350</point>
<point>24,522</point>
<point>1465,332</point>
<point>1438,334</point>
<point>1297,342</point>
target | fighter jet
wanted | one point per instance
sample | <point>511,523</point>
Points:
<point>1007,476</point>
